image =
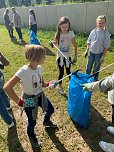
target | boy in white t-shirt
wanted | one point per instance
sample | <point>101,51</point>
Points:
<point>31,82</point>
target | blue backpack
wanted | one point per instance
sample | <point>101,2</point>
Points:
<point>78,99</point>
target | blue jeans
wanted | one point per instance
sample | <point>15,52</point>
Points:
<point>113,115</point>
<point>18,30</point>
<point>4,102</point>
<point>32,123</point>
<point>93,60</point>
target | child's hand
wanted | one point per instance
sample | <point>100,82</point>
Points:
<point>26,102</point>
<point>52,84</point>
<point>75,58</point>
<point>102,59</point>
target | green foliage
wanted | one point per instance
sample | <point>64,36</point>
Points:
<point>13,3</point>
<point>2,4</point>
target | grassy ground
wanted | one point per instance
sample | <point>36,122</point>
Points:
<point>68,137</point>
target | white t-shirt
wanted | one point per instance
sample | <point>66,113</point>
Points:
<point>64,44</point>
<point>30,80</point>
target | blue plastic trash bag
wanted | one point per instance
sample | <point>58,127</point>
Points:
<point>78,99</point>
<point>33,38</point>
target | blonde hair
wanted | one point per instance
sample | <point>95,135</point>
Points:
<point>101,17</point>
<point>34,52</point>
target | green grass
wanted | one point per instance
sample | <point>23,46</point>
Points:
<point>68,137</point>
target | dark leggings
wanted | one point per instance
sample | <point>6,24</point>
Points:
<point>32,123</point>
<point>34,28</point>
<point>61,69</point>
<point>11,33</point>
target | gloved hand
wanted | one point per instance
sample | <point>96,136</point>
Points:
<point>52,84</point>
<point>75,58</point>
<point>26,102</point>
<point>102,59</point>
<point>90,87</point>
<point>86,52</point>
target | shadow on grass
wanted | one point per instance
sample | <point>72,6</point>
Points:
<point>13,140</point>
<point>49,52</point>
<point>23,43</point>
<point>96,132</point>
<point>55,140</point>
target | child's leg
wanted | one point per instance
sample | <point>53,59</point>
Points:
<point>113,115</point>
<point>31,123</point>
<point>49,112</point>
<point>97,65</point>
<point>5,98</point>
<point>91,59</point>
<point>61,73</point>
<point>4,113</point>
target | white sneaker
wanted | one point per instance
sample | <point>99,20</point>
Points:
<point>110,129</point>
<point>8,108</point>
<point>11,125</point>
<point>61,91</point>
<point>107,147</point>
<point>11,116</point>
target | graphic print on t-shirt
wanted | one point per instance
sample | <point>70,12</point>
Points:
<point>64,44</point>
<point>34,81</point>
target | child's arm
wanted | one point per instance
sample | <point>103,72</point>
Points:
<point>75,45</point>
<point>8,88</point>
<point>87,50</point>
<point>75,49</point>
<point>103,56</point>
<point>103,85</point>
<point>3,60</point>
<point>44,84</point>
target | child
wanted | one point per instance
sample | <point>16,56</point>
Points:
<point>31,81</point>
<point>4,101</point>
<point>105,85</point>
<point>98,44</point>
<point>7,23</point>
<point>63,39</point>
<point>32,21</point>
<point>17,23</point>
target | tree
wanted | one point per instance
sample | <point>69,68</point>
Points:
<point>13,3</point>
<point>38,1</point>
<point>2,4</point>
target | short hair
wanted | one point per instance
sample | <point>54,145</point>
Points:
<point>34,52</point>
<point>7,10</point>
<point>101,17</point>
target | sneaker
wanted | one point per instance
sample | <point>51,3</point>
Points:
<point>34,141</point>
<point>20,40</point>
<point>107,147</point>
<point>110,129</point>
<point>61,91</point>
<point>8,108</point>
<point>50,124</point>
<point>11,125</point>
<point>11,116</point>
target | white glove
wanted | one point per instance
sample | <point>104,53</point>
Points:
<point>90,87</point>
